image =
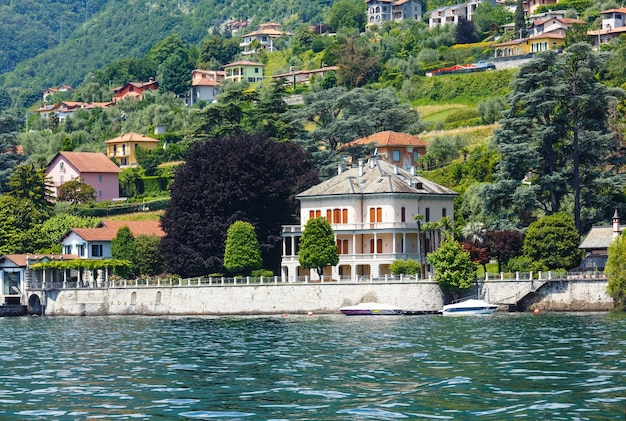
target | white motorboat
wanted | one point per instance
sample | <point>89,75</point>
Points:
<point>371,309</point>
<point>469,307</point>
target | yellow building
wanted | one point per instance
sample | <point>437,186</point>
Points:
<point>122,148</point>
<point>528,46</point>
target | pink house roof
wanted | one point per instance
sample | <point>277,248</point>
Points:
<point>88,162</point>
<point>388,138</point>
<point>132,137</point>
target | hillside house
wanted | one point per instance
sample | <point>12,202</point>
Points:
<point>95,243</point>
<point>396,148</point>
<point>380,11</point>
<point>613,25</point>
<point>122,148</point>
<point>67,109</point>
<point>265,36</point>
<point>15,273</point>
<point>371,208</point>
<point>204,85</point>
<point>298,77</point>
<point>244,70</point>
<point>530,6</point>
<point>94,168</point>
<point>552,26</point>
<point>525,47</point>
<point>134,90</point>
<point>48,92</point>
<point>596,245</point>
<point>451,15</point>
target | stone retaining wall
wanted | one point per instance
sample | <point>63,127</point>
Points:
<point>240,300</point>
<point>414,297</point>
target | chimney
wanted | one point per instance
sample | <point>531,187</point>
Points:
<point>339,169</point>
<point>412,170</point>
<point>360,168</point>
<point>616,227</point>
<point>395,169</point>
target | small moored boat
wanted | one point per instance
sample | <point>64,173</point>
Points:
<point>469,307</point>
<point>371,309</point>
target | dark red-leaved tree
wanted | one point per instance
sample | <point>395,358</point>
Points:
<point>504,245</point>
<point>241,177</point>
<point>478,254</point>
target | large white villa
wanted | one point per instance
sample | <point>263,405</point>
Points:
<point>371,208</point>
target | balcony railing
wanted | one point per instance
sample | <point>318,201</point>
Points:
<point>528,277</point>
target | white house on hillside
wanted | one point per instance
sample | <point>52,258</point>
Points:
<point>371,209</point>
<point>379,11</point>
<point>451,15</point>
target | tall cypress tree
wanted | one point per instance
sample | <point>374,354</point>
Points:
<point>520,19</point>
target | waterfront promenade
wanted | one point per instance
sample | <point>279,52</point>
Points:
<point>246,296</point>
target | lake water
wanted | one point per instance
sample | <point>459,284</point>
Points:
<point>327,367</point>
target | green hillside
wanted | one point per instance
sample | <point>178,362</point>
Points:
<point>53,43</point>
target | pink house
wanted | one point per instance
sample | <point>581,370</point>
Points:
<point>94,168</point>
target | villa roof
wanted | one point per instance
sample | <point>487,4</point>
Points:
<point>88,162</point>
<point>107,230</point>
<point>148,227</point>
<point>244,63</point>
<point>20,259</point>
<point>599,238</point>
<point>132,137</point>
<point>388,138</point>
<point>378,177</point>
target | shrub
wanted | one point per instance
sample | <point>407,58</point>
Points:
<point>405,267</point>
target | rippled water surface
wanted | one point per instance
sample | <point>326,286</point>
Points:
<point>505,366</point>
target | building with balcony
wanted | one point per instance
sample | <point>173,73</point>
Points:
<point>380,11</point>
<point>372,209</point>
<point>205,85</point>
<point>613,25</point>
<point>244,70</point>
<point>263,38</point>
<point>122,148</point>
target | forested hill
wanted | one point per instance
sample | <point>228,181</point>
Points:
<point>60,42</point>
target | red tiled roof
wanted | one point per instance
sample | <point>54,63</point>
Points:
<point>136,227</point>
<point>388,138</point>
<point>94,234</point>
<point>132,137</point>
<point>620,10</point>
<point>89,162</point>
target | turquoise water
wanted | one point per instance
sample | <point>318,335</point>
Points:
<point>500,367</point>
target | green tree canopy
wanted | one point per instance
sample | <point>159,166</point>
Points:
<point>405,267</point>
<point>347,14</point>
<point>454,269</point>
<point>340,116</point>
<point>123,248</point>
<point>31,183</point>
<point>556,142</point>
<point>76,191</point>
<point>242,254</point>
<point>317,246</point>
<point>615,271</point>
<point>552,242</point>
<point>147,259</point>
